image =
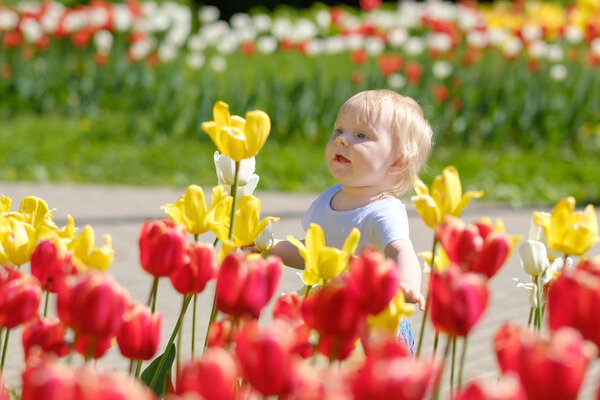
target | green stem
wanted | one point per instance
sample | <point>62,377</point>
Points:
<point>178,352</point>
<point>452,362</point>
<point>138,368</point>
<point>153,291</point>
<point>463,357</point>
<point>46,301</point>
<point>438,382</point>
<point>213,316</point>
<point>428,299</point>
<point>4,349</point>
<point>131,366</point>
<point>435,343</point>
<point>307,291</point>
<point>194,325</point>
<point>163,358</point>
<point>530,317</point>
<point>539,302</point>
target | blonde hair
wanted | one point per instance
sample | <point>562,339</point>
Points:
<point>412,135</point>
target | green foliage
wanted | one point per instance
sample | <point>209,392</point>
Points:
<point>150,371</point>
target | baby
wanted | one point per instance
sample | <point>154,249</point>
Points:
<point>380,142</point>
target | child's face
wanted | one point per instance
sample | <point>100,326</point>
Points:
<point>360,155</point>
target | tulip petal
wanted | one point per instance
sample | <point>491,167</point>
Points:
<point>221,113</point>
<point>420,187</point>
<point>258,126</point>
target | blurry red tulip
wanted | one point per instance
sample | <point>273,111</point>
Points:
<point>213,376</point>
<point>82,37</point>
<point>458,300</point>
<point>12,39</point>
<point>92,303</point>
<point>95,384</point>
<point>49,264</point>
<point>507,346</point>
<point>554,369</point>
<point>139,334</point>
<point>506,388</point>
<point>220,333</point>
<point>162,247</point>
<point>359,56</point>
<point>310,383</point>
<point>248,48</point>
<point>368,5</point>
<point>389,64</point>
<point>45,379</point>
<point>373,279</point>
<point>4,395</point>
<point>48,334</point>
<point>20,296</point>
<point>91,346</point>
<point>573,300</point>
<point>246,283</point>
<point>441,93</point>
<point>288,308</point>
<point>357,77</point>
<point>265,356</point>
<point>191,277</point>
<point>383,347</point>
<point>413,72</point>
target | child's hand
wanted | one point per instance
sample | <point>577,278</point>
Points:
<point>413,296</point>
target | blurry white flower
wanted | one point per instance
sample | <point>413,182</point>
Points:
<point>554,53</point>
<point>383,19</point>
<point>353,41</point>
<point>315,47</point>
<point>247,179</point>
<point>498,35</point>
<point>218,64</point>
<point>478,39</point>
<point>214,31</point>
<point>467,18</point>
<point>281,27</point>
<point>528,286</point>
<point>537,49</point>
<point>98,16</point>
<point>409,13</point>
<point>246,34</point>
<point>573,34</point>
<point>374,46</point>
<point>142,48</point>
<point>440,10</point>
<point>512,46</point>
<point>227,45</point>
<point>396,81</point>
<point>103,40</point>
<point>265,240</point>
<point>442,69</point>
<point>558,72</point>
<point>595,46</point>
<point>149,8</point>
<point>303,30</point>
<point>531,32</point>
<point>207,14</point>
<point>167,52</point>
<point>31,29</point>
<point>533,256</point>
<point>266,44</point>
<point>439,41</point>
<point>122,17</point>
<point>240,20</point>
<point>351,22</point>
<point>177,35</point>
<point>414,46</point>
<point>262,22</point>
<point>323,18</point>
<point>459,125</point>
<point>195,60</point>
<point>196,42</point>
<point>51,17</point>
<point>75,20</point>
<point>396,37</point>
<point>334,44</point>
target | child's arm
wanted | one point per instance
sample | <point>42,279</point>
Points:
<point>288,253</point>
<point>403,253</point>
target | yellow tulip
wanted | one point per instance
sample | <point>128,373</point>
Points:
<point>446,197</point>
<point>234,136</point>
<point>84,253</point>
<point>568,231</point>
<point>191,211</point>
<point>5,203</point>
<point>389,319</point>
<point>441,259</point>
<point>323,263</point>
<point>17,240</point>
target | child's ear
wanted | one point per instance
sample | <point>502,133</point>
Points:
<point>398,166</point>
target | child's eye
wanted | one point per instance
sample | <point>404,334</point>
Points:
<point>338,131</point>
<point>361,135</point>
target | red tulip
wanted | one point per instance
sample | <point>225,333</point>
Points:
<point>359,56</point>
<point>44,379</point>
<point>458,300</point>
<point>213,376</point>
<point>48,334</point>
<point>265,357</point>
<point>92,304</point>
<point>49,263</point>
<point>4,395</point>
<point>506,388</point>
<point>288,305</point>
<point>554,369</point>
<point>389,64</point>
<point>288,308</point>
<point>368,5</point>
<point>507,346</point>
<point>20,296</point>
<point>373,279</point>
<point>162,247</point>
<point>94,384</point>
<point>245,283</point>
<point>441,93</point>
<point>139,334</point>
<point>191,277</point>
<point>221,333</point>
<point>413,72</point>
<point>91,346</point>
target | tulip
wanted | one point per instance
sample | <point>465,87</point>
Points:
<point>265,240</point>
<point>4,395</point>
<point>139,334</point>
<point>20,296</point>
<point>49,263</point>
<point>247,179</point>
<point>534,257</point>
<point>323,263</point>
<point>507,346</point>
<point>48,334</point>
<point>213,376</point>
<point>191,210</point>
<point>36,212</point>
<point>45,379</point>
<point>246,283</point>
<point>536,232</point>
<point>288,307</point>
<point>85,255</point>
<point>162,247</point>
<point>234,136</point>
<point>94,384</point>
<point>446,197</point>
<point>389,318</point>
<point>191,278</point>
<point>92,303</point>
<point>91,346</point>
<point>458,300</point>
<point>17,240</point>
<point>220,333</point>
<point>5,204</point>
<point>506,388</point>
<point>265,357</point>
<point>567,231</point>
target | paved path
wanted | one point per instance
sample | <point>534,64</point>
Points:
<point>121,210</point>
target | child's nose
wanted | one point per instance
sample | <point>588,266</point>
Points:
<point>341,141</point>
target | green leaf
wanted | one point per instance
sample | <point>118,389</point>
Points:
<point>151,370</point>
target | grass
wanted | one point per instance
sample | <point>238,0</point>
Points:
<point>62,148</point>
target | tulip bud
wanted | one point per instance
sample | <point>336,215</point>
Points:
<point>507,345</point>
<point>506,387</point>
<point>191,278</point>
<point>47,334</point>
<point>264,240</point>
<point>139,334</point>
<point>213,376</point>
<point>45,379</point>
<point>20,296</point>
<point>49,263</point>
<point>95,384</point>
<point>162,247</point>
<point>225,167</point>
<point>91,346</point>
<point>534,258</point>
<point>220,333</point>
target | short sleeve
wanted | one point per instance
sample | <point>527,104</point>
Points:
<point>389,224</point>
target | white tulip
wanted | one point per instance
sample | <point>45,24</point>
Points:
<point>281,27</point>
<point>334,44</point>
<point>374,46</point>
<point>532,291</point>
<point>264,241</point>
<point>122,17</point>
<point>558,72</point>
<point>396,37</point>
<point>98,17</point>
<point>531,32</point>
<point>323,18</point>
<point>31,29</point>
<point>512,46</point>
<point>103,40</point>
<point>207,14</point>
<point>196,42</point>
<point>218,64</point>
<point>396,81</point>
<point>262,22</point>
<point>534,257</point>
<point>240,20</point>
<point>439,41</point>
<point>573,34</point>
<point>266,44</point>
<point>555,53</point>
<point>353,41</point>
<point>195,60</point>
<point>225,167</point>
<point>595,46</point>
<point>414,46</point>
<point>498,35</point>
<point>478,39</point>
<point>537,49</point>
<point>442,69</point>
<point>167,52</point>
<point>315,47</point>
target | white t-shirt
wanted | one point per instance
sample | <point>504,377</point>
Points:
<point>379,223</point>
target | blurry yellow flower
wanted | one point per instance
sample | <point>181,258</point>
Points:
<point>569,232</point>
<point>67,232</point>
<point>589,5</point>
<point>5,203</point>
<point>33,211</point>
<point>84,253</point>
<point>323,263</point>
<point>190,209</point>
<point>17,240</point>
<point>446,197</point>
<point>441,259</point>
<point>389,319</point>
<point>234,136</point>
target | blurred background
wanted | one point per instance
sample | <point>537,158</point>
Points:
<point>115,92</point>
